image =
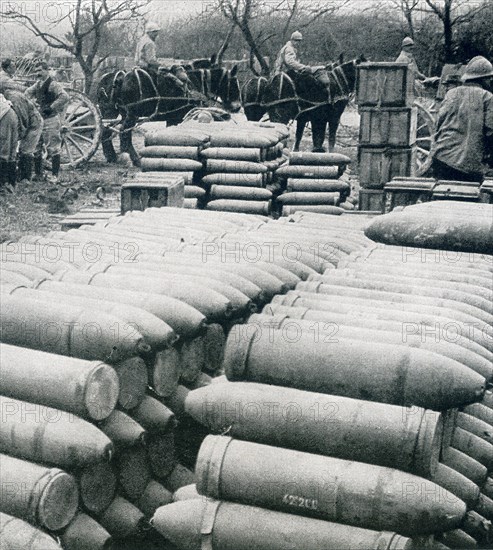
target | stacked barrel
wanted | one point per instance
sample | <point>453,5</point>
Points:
<point>312,182</point>
<point>226,166</point>
<point>388,129</point>
<point>355,409</point>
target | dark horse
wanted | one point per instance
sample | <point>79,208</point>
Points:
<point>136,94</point>
<point>293,96</point>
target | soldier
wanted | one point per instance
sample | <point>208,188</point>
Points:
<point>145,55</point>
<point>288,60</point>
<point>8,142</point>
<point>407,56</point>
<point>30,130</point>
<point>51,99</point>
<point>6,80</point>
<point>464,131</point>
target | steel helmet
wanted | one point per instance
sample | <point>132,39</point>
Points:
<point>478,67</point>
<point>152,27</point>
<point>296,36</point>
<point>408,41</point>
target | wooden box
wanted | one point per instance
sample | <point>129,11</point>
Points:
<point>486,192</point>
<point>371,200</point>
<point>384,85</point>
<point>391,126</point>
<point>379,165</point>
<point>456,190</point>
<point>406,191</point>
<point>137,195</point>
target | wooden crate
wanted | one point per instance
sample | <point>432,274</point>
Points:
<point>456,190</point>
<point>390,126</point>
<point>384,85</point>
<point>371,200</point>
<point>486,191</point>
<point>137,195</point>
<point>406,191</point>
<point>379,165</point>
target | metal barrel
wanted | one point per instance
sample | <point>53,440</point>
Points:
<point>487,488</point>
<point>434,298</point>
<point>17,534</point>
<point>89,389</point>
<point>85,533</point>
<point>405,438</point>
<point>171,152</point>
<point>43,496</point>
<point>473,446</point>
<point>236,205</point>
<point>133,378</point>
<point>122,519</point>
<point>458,539</point>
<point>457,484</point>
<point>194,192</point>
<point>123,430</point>
<point>161,454</point>
<point>67,330</point>
<point>241,193</point>
<point>228,526</point>
<point>165,372</point>
<point>287,478</point>
<point>234,166</point>
<point>44,434</point>
<point>365,329</point>
<point>352,368</point>
<point>191,204</point>
<point>310,172</point>
<point>177,137</point>
<point>97,486</point>
<point>153,416</point>
<point>188,492</point>
<point>434,229</point>
<point>133,471</point>
<point>209,302</point>
<point>465,465</point>
<point>180,476</point>
<point>154,496</point>
<point>184,319</point>
<point>169,165</point>
<point>156,332</point>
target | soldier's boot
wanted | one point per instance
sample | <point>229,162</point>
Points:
<point>11,173</point>
<point>55,169</point>
<point>3,174</point>
<point>38,168</point>
<point>25,168</point>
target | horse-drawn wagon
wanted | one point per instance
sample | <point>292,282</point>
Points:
<point>81,121</point>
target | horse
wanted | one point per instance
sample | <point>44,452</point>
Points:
<point>136,94</point>
<point>294,96</point>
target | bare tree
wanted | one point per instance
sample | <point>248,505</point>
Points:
<point>408,8</point>
<point>245,14</point>
<point>451,14</point>
<point>88,20</point>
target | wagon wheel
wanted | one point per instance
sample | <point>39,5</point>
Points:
<point>82,128</point>
<point>424,136</point>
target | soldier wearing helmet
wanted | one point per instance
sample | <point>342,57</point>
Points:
<point>145,55</point>
<point>288,60</point>
<point>407,56</point>
<point>464,132</point>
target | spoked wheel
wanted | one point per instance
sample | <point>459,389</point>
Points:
<point>82,129</point>
<point>424,136</point>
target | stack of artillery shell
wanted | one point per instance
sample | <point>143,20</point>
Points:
<point>397,410</point>
<point>240,164</point>
<point>312,183</point>
<point>177,150</point>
